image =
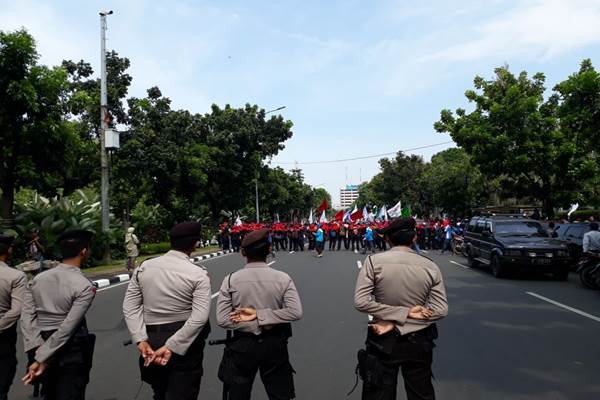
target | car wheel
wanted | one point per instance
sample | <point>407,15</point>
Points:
<point>562,275</point>
<point>471,261</point>
<point>498,270</point>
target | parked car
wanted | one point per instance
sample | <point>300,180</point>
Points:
<point>572,234</point>
<point>510,244</point>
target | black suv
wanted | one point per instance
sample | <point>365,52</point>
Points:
<point>572,234</point>
<point>509,244</point>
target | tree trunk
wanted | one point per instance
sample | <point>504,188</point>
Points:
<point>7,203</point>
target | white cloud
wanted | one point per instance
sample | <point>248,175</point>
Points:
<point>534,28</point>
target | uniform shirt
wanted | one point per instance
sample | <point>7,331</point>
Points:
<point>168,289</point>
<point>272,293</point>
<point>389,284</point>
<point>56,299</point>
<point>591,241</point>
<point>12,292</point>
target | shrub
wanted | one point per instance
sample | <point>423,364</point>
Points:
<point>154,248</point>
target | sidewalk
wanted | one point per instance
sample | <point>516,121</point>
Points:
<point>120,267</point>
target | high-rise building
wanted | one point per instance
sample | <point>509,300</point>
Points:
<point>348,195</point>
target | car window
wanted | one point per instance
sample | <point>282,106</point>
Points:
<point>480,225</point>
<point>576,232</point>
<point>472,224</point>
<point>520,228</point>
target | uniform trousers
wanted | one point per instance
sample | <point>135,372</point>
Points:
<point>8,359</point>
<point>266,354</point>
<point>391,353</point>
<point>180,378</point>
<point>68,370</point>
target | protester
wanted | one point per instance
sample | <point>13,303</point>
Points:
<point>131,242</point>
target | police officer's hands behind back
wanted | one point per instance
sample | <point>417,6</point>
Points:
<point>243,315</point>
<point>146,352</point>
<point>34,371</point>
<point>416,312</point>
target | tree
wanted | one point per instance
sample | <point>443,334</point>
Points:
<point>579,112</point>
<point>241,140</point>
<point>399,179</point>
<point>36,143</point>
<point>454,183</point>
<point>514,135</point>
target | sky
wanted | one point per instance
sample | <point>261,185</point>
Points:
<point>357,78</point>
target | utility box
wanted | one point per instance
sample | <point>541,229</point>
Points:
<point>111,139</point>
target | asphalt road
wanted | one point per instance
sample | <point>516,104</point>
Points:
<point>503,338</point>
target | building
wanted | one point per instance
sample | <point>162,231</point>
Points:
<point>348,195</point>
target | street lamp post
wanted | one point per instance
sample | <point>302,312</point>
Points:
<point>257,176</point>
<point>104,185</point>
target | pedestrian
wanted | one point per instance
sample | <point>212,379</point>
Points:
<point>405,294</point>
<point>12,292</point>
<point>166,310</point>
<point>257,303</point>
<point>369,246</point>
<point>319,241</point>
<point>131,247</point>
<point>332,237</point>
<point>448,235</point>
<point>35,248</point>
<point>53,322</point>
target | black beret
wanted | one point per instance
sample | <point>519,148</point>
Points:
<point>80,235</point>
<point>186,230</point>
<point>400,224</point>
<point>5,243</point>
<point>255,237</point>
<point>6,239</point>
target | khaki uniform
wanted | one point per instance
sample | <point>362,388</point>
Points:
<point>12,292</point>
<point>259,345</point>
<point>389,284</point>
<point>53,322</point>
<point>168,303</point>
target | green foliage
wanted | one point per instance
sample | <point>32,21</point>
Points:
<point>453,183</point>
<point>398,180</point>
<point>154,248</point>
<point>149,222</point>
<point>36,141</point>
<point>53,216</point>
<point>514,135</point>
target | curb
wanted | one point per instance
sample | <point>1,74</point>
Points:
<point>102,283</point>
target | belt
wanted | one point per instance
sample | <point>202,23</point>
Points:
<point>170,327</point>
<point>281,330</point>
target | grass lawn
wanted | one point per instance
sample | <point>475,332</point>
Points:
<point>120,266</point>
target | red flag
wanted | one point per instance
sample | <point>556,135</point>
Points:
<point>324,206</point>
<point>356,215</point>
<point>339,216</point>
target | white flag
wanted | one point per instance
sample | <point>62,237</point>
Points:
<point>311,217</point>
<point>396,211</point>
<point>238,221</point>
<point>573,208</point>
<point>323,219</point>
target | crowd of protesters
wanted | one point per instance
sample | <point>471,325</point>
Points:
<point>360,236</point>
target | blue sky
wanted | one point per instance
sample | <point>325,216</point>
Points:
<point>356,77</point>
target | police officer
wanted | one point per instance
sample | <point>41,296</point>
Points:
<point>405,294</point>
<point>166,309</point>
<point>12,292</point>
<point>53,322</point>
<point>257,303</point>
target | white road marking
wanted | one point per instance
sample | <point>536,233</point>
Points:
<point>358,264</point>
<point>424,251</point>
<point>370,317</point>
<point>112,286</point>
<point>566,307</point>
<point>271,263</point>
<point>460,265</point>
<point>214,295</point>
<point>292,252</point>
